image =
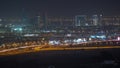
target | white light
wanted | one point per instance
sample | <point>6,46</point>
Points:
<point>84,40</point>
<point>51,42</point>
<point>15,29</point>
<point>78,41</point>
<point>54,42</point>
<point>90,39</point>
<point>69,35</point>
<point>31,35</point>
<point>118,38</point>
<point>93,36</point>
<point>20,29</point>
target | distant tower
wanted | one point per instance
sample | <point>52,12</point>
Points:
<point>95,20</point>
<point>38,21</point>
<point>100,19</point>
<point>24,17</point>
<point>80,20</point>
<point>35,21</point>
<point>101,16</point>
<point>45,21</point>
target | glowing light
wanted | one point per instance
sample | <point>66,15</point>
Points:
<point>54,42</point>
<point>31,35</point>
<point>118,38</point>
<point>18,29</point>
<point>90,39</point>
<point>15,29</point>
<point>68,35</point>
<point>97,36</point>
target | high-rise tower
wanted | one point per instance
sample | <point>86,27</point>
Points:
<point>95,20</point>
<point>45,21</point>
<point>24,17</point>
<point>80,20</point>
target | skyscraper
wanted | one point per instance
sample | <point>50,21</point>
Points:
<point>80,20</point>
<point>45,20</point>
<point>95,20</point>
<point>24,17</point>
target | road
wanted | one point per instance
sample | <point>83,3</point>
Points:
<point>34,48</point>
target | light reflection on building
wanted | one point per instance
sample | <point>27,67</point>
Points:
<point>63,26</point>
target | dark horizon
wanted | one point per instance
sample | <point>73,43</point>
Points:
<point>14,8</point>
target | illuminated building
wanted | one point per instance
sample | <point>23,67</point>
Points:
<point>60,21</point>
<point>111,20</point>
<point>35,21</point>
<point>80,20</point>
<point>4,30</point>
<point>24,17</point>
<point>95,20</point>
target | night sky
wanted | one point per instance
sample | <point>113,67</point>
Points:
<point>14,8</point>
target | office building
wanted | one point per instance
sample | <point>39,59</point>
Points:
<point>95,20</point>
<point>80,20</point>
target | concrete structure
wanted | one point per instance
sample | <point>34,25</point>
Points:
<point>95,20</point>
<point>80,20</point>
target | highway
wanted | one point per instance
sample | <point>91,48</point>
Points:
<point>34,48</point>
